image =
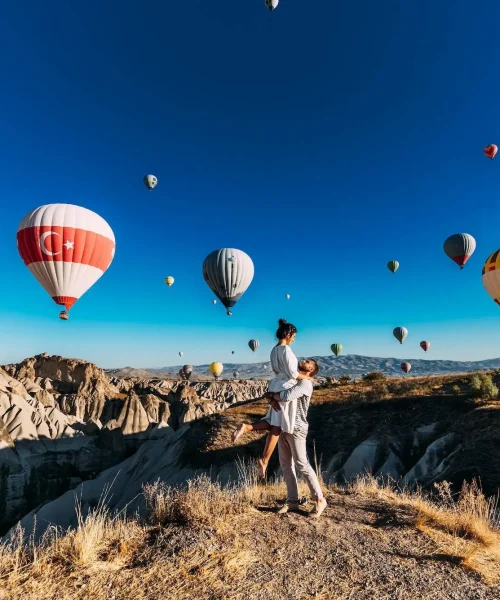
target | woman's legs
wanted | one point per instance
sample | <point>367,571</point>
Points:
<point>272,440</point>
<point>261,425</point>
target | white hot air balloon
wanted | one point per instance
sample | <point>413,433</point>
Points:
<point>287,296</point>
<point>67,248</point>
<point>150,181</point>
<point>271,4</point>
<point>228,272</point>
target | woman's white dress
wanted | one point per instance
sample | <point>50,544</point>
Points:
<point>285,366</point>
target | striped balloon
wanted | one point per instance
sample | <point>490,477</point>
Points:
<point>253,345</point>
<point>336,349</point>
<point>460,247</point>
<point>400,334</point>
<point>405,367</point>
<point>491,276</point>
<point>67,248</point>
<point>228,272</point>
<point>393,265</point>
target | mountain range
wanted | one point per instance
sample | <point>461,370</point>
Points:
<point>330,366</point>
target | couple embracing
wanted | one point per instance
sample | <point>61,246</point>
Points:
<point>286,421</point>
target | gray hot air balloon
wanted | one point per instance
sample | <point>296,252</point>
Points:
<point>400,334</point>
<point>405,367</point>
<point>460,247</point>
<point>187,370</point>
<point>236,374</point>
<point>150,181</point>
<point>228,273</point>
<point>271,4</point>
<point>253,345</point>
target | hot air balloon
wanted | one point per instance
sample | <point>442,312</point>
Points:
<point>181,353</point>
<point>405,367</point>
<point>236,374</point>
<point>216,369</point>
<point>182,375</point>
<point>187,371</point>
<point>287,296</point>
<point>67,248</point>
<point>228,272</point>
<point>169,280</point>
<point>460,247</point>
<point>150,181</point>
<point>271,4</point>
<point>214,301</point>
<point>63,315</point>
<point>232,351</point>
<point>425,345</point>
<point>491,276</point>
<point>265,367</point>
<point>336,349</point>
<point>490,151</point>
<point>253,345</point>
<point>393,265</point>
<point>400,334</point>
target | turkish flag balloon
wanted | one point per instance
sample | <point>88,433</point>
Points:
<point>490,151</point>
<point>67,248</point>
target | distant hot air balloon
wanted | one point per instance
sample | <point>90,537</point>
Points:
<point>287,296</point>
<point>400,334</point>
<point>253,345</point>
<point>490,151</point>
<point>169,280</point>
<point>181,353</point>
<point>265,367</point>
<point>425,345</point>
<point>63,315</point>
<point>336,349</point>
<point>405,367</point>
<point>214,301</point>
<point>67,248</point>
<point>460,247</point>
<point>232,351</point>
<point>150,181</point>
<point>187,371</point>
<point>228,272</point>
<point>216,369</point>
<point>236,374</point>
<point>491,276</point>
<point>393,265</point>
<point>182,375</point>
<point>271,4</point>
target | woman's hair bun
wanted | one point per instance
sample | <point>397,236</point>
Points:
<point>282,322</point>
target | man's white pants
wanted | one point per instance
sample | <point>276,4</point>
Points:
<point>293,455</point>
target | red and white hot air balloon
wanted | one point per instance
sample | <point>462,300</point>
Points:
<point>405,367</point>
<point>490,151</point>
<point>67,248</point>
<point>425,345</point>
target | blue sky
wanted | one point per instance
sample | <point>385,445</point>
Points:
<point>323,141</point>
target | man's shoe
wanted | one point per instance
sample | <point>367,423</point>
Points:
<point>288,507</point>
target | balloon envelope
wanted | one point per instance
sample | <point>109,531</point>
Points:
<point>336,349</point>
<point>490,151</point>
<point>393,265</point>
<point>271,4</point>
<point>460,247</point>
<point>67,248</point>
<point>216,368</point>
<point>491,276</point>
<point>181,353</point>
<point>400,334</point>
<point>187,370</point>
<point>287,296</point>
<point>228,272</point>
<point>425,345</point>
<point>236,374</point>
<point>150,181</point>
<point>169,280</point>
<point>253,345</point>
<point>405,367</point>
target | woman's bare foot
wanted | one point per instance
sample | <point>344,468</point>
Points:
<point>262,468</point>
<point>237,433</point>
<point>319,508</point>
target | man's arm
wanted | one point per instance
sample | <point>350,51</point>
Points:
<point>302,388</point>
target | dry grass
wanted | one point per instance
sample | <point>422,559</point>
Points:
<point>209,541</point>
<point>465,526</point>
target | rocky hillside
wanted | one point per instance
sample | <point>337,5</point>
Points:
<point>418,431</point>
<point>330,366</point>
<point>63,421</point>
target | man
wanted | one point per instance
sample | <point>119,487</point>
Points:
<point>292,443</point>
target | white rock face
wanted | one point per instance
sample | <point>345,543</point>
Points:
<point>363,459</point>
<point>427,467</point>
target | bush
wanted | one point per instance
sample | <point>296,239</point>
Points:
<point>374,376</point>
<point>345,379</point>
<point>378,392</point>
<point>482,386</point>
<point>456,389</point>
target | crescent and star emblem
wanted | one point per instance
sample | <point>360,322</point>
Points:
<point>43,246</point>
